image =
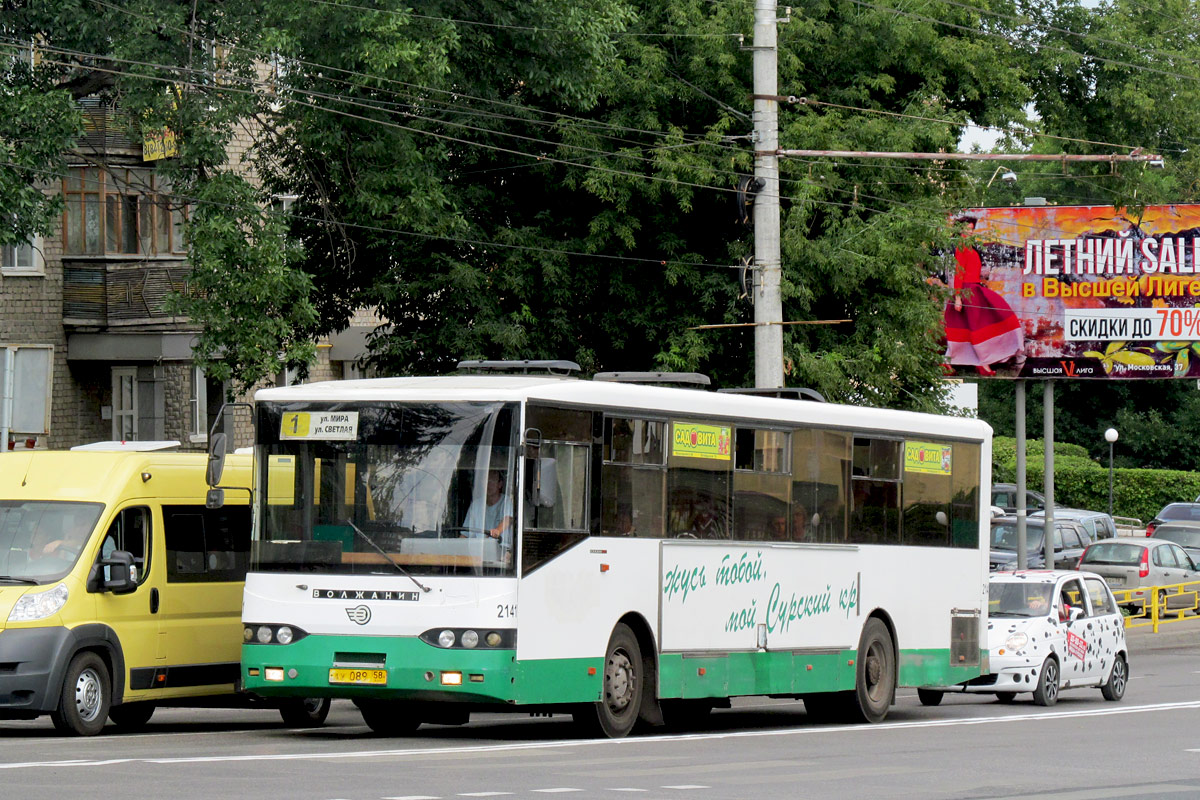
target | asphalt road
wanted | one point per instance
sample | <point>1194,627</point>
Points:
<point>1148,745</point>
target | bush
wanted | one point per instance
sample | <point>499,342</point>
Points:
<point>1080,482</point>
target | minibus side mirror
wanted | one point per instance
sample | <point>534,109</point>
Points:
<point>216,459</point>
<point>215,498</point>
<point>122,572</point>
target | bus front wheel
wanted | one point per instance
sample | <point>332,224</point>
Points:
<point>305,712</point>
<point>621,697</point>
<point>875,681</point>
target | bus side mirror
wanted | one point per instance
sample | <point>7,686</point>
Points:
<point>121,572</point>
<point>216,459</point>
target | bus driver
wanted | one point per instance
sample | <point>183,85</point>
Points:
<point>496,519</point>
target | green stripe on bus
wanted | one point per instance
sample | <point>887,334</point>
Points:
<point>409,661</point>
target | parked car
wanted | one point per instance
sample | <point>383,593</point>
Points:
<point>1136,564</point>
<point>1184,534</point>
<point>1005,496</point>
<point>1048,631</point>
<point>1098,524</point>
<point>1189,512</point>
<point>1069,541</point>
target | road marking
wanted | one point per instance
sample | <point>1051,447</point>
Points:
<point>688,786</point>
<point>558,790</point>
<point>412,797</point>
<point>639,742</point>
<point>484,794</point>
<point>624,789</point>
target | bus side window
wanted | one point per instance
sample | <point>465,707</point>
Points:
<point>632,477</point>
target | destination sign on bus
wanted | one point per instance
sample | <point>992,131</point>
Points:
<point>692,440</point>
<point>325,425</point>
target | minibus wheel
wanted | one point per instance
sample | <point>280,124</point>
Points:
<point>305,712</point>
<point>131,716</point>
<point>86,695</point>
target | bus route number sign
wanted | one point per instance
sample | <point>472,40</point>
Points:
<point>325,425</point>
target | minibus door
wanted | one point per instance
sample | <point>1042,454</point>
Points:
<point>133,616</point>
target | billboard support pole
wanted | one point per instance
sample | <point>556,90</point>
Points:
<point>1022,541</point>
<point>1048,479</point>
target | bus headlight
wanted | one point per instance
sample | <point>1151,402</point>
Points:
<point>284,635</point>
<point>470,638</point>
<point>446,638</point>
<point>1016,641</point>
<point>264,634</point>
<point>39,605</point>
<point>247,634</point>
<point>493,639</point>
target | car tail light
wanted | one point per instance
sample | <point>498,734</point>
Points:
<point>1082,556</point>
<point>1144,567</point>
<point>1150,528</point>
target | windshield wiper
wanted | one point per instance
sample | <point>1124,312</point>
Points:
<point>385,554</point>
<point>14,579</point>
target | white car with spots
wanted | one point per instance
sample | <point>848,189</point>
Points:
<point>1049,631</point>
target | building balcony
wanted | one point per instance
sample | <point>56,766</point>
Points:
<point>99,292</point>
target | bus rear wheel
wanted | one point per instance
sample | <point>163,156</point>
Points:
<point>621,697</point>
<point>388,717</point>
<point>875,682</point>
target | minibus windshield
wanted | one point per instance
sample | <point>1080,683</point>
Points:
<point>40,541</point>
<point>388,488</point>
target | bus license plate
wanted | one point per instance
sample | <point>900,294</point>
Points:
<point>371,677</point>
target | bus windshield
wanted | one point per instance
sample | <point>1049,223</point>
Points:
<point>425,489</point>
<point>40,541</point>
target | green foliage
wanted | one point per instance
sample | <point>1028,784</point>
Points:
<point>1081,482</point>
<point>549,179</point>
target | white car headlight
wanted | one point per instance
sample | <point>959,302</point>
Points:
<point>1016,641</point>
<point>39,605</point>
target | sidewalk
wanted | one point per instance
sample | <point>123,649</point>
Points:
<point>1170,636</point>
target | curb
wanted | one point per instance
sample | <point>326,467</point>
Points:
<point>1170,636</point>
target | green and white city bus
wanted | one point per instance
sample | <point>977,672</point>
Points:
<point>434,546</point>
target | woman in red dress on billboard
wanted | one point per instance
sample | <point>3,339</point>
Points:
<point>981,328</point>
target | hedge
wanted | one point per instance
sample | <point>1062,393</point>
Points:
<point>1080,482</point>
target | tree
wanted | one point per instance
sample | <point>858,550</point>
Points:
<point>553,180</point>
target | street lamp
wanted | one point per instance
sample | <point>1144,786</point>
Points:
<point>1111,436</point>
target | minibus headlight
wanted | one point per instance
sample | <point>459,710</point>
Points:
<point>264,634</point>
<point>1016,641</point>
<point>39,605</point>
<point>284,635</point>
<point>446,638</point>
<point>470,639</point>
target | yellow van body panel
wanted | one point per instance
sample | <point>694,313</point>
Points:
<point>179,633</point>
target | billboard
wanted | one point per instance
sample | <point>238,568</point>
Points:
<point>1076,292</point>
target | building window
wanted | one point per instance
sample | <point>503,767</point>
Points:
<point>24,258</point>
<point>124,404</point>
<point>120,211</point>
<point>208,395</point>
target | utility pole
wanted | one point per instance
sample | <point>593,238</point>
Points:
<point>768,303</point>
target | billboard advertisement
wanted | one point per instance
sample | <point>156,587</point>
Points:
<point>1076,292</point>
